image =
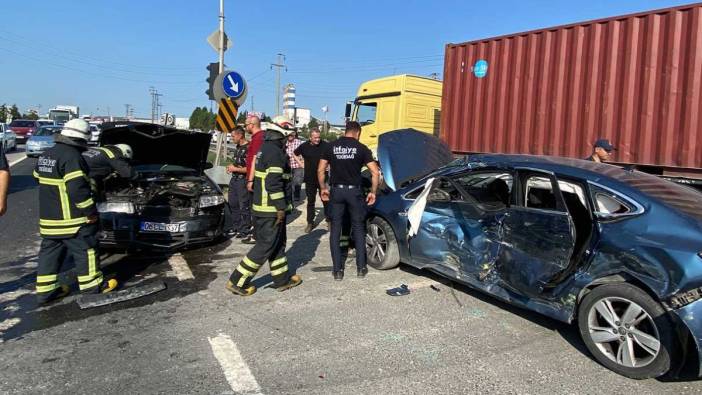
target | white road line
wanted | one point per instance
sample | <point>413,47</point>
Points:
<point>238,375</point>
<point>180,267</point>
<point>16,161</point>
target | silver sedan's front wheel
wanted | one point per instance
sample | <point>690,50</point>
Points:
<point>627,331</point>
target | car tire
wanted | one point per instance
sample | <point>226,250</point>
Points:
<point>639,327</point>
<point>381,245</point>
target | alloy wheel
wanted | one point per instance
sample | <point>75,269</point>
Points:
<point>376,243</point>
<point>624,332</point>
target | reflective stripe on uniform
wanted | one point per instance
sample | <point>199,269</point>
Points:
<point>244,271</point>
<point>63,222</point>
<point>107,152</point>
<point>94,283</point>
<point>275,169</point>
<point>86,203</point>
<point>73,174</point>
<point>58,231</point>
<point>47,278</point>
<point>278,261</point>
<point>251,263</point>
<point>264,209</point>
<point>279,271</point>
<point>47,288</point>
<point>277,195</point>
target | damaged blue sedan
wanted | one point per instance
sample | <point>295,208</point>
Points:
<point>616,251</point>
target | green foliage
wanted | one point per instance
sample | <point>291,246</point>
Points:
<point>14,112</point>
<point>31,115</point>
<point>242,117</point>
<point>313,124</point>
<point>201,118</point>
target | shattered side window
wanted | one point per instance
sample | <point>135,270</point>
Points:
<point>539,194</point>
<point>490,189</point>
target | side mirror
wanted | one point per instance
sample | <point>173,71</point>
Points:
<point>347,113</point>
<point>439,195</point>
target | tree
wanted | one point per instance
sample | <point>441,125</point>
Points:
<point>313,124</point>
<point>242,117</point>
<point>4,112</point>
<point>14,112</point>
<point>31,115</point>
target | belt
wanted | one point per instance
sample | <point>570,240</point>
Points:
<point>344,186</point>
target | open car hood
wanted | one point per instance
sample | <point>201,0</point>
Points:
<point>157,144</point>
<point>406,154</point>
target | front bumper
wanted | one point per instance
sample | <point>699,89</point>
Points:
<point>122,231</point>
<point>691,316</point>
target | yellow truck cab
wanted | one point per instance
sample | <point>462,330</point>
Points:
<point>396,102</point>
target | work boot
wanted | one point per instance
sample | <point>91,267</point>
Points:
<point>108,286</point>
<point>250,290</point>
<point>362,272</point>
<point>308,228</point>
<point>249,240</point>
<point>294,281</point>
<point>338,276</point>
<point>57,294</point>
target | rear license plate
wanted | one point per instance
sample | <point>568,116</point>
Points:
<point>160,227</point>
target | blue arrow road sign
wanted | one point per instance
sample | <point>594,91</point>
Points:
<point>233,85</point>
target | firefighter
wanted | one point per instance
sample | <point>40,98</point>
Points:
<point>107,160</point>
<point>272,199</point>
<point>67,216</point>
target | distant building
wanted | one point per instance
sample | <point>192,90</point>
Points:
<point>289,101</point>
<point>304,116</point>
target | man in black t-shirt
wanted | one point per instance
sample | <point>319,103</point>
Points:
<point>4,181</point>
<point>311,151</point>
<point>346,157</point>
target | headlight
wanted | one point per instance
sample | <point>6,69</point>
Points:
<point>211,200</point>
<point>127,208</point>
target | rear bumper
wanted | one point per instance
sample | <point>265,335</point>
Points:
<point>122,231</point>
<point>691,317</point>
<point>35,151</point>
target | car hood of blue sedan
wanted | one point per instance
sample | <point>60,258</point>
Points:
<point>41,139</point>
<point>408,154</point>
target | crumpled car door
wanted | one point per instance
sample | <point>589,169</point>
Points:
<point>537,236</point>
<point>453,234</point>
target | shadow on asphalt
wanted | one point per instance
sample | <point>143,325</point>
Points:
<point>20,183</point>
<point>129,270</point>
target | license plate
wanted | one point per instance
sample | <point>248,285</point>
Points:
<point>160,227</point>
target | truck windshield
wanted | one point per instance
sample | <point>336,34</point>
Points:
<point>365,113</point>
<point>59,116</point>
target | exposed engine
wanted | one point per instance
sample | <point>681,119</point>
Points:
<point>161,195</point>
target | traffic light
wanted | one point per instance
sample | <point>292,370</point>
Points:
<point>213,68</point>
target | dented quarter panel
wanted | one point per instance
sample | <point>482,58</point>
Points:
<point>691,317</point>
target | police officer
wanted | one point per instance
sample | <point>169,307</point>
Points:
<point>346,157</point>
<point>239,197</point>
<point>106,160</point>
<point>272,199</point>
<point>67,216</point>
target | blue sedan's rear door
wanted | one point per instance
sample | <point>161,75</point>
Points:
<point>538,236</point>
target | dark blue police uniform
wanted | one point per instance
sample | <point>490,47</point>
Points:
<point>346,157</point>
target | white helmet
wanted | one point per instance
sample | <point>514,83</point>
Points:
<point>126,150</point>
<point>282,125</point>
<point>76,128</point>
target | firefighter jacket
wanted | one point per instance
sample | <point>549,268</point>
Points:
<point>271,187</point>
<point>65,198</point>
<point>102,161</point>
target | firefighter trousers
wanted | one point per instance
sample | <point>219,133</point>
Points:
<point>82,247</point>
<point>270,246</point>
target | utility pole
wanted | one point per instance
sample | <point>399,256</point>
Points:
<point>252,104</point>
<point>153,92</point>
<point>278,66</point>
<point>221,137</point>
<point>127,110</point>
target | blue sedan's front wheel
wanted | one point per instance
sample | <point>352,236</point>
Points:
<point>381,245</point>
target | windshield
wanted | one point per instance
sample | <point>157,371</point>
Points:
<point>22,124</point>
<point>59,116</point>
<point>47,131</point>
<point>366,113</point>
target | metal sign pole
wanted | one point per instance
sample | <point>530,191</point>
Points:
<point>222,137</point>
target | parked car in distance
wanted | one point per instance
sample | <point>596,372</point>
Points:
<point>171,203</point>
<point>24,128</point>
<point>42,140</point>
<point>8,138</point>
<point>616,251</point>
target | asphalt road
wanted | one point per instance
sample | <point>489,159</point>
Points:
<point>322,337</point>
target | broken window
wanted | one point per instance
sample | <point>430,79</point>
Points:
<point>492,190</point>
<point>539,194</point>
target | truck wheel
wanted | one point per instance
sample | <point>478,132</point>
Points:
<point>381,245</point>
<point>627,331</point>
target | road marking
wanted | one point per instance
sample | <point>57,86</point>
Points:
<point>238,375</point>
<point>16,161</point>
<point>180,267</point>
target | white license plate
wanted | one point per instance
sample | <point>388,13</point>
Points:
<point>160,227</point>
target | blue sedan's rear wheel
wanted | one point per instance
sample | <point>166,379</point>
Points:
<point>627,331</point>
<point>381,245</point>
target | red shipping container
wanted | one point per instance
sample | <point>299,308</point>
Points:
<point>633,79</point>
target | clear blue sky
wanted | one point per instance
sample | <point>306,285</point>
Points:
<point>100,54</point>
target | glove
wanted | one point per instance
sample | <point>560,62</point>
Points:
<point>279,217</point>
